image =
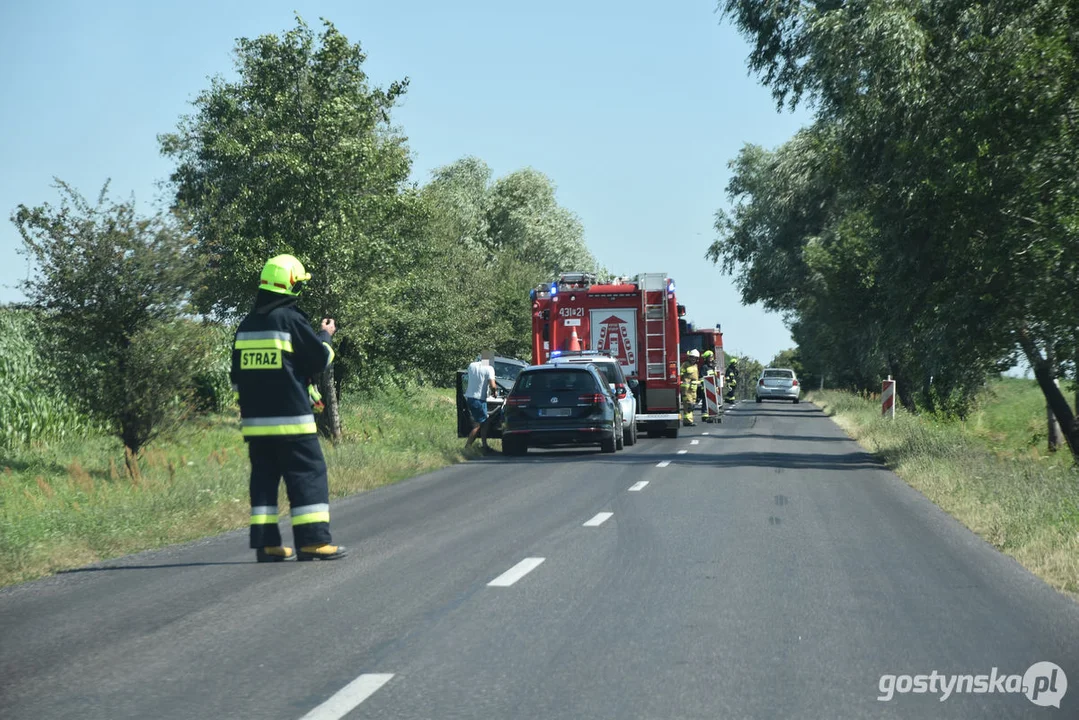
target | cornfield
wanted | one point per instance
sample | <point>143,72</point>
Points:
<point>32,408</point>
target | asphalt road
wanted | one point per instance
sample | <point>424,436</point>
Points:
<point>764,567</point>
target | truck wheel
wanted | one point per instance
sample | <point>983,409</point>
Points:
<point>609,445</point>
<point>672,432</point>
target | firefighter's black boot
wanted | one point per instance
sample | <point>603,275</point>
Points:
<point>321,552</point>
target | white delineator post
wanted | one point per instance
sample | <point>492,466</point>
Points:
<point>887,398</point>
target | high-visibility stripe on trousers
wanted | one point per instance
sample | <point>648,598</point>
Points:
<point>291,425</point>
<point>299,461</point>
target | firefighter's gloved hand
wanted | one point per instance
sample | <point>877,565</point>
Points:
<point>316,399</point>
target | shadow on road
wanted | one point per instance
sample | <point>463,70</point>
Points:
<point>788,461</point>
<point>151,567</point>
<point>790,438</point>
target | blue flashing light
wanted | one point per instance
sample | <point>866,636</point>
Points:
<point>554,288</point>
<point>532,294</point>
<point>670,286</point>
<point>556,353</point>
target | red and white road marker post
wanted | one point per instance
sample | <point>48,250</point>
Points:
<point>887,398</point>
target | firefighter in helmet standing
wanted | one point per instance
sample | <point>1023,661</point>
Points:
<point>731,378</point>
<point>708,369</point>
<point>275,357</point>
<point>690,381</point>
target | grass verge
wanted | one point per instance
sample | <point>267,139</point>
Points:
<point>69,504</point>
<point>986,471</point>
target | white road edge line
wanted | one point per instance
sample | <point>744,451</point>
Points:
<point>516,572</point>
<point>347,698</point>
<point>705,433</point>
<point>694,442</point>
<point>599,519</point>
<point>682,452</point>
<point>663,463</point>
<point>638,486</point>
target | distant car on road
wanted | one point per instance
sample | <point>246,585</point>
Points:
<point>778,384</point>
<point>553,405</point>
<point>616,380</point>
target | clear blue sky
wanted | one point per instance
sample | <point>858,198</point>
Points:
<point>632,108</point>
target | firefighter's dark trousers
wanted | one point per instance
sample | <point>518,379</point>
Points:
<point>299,460</point>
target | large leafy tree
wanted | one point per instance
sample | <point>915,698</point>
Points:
<point>298,155</point>
<point>113,288</point>
<point>954,126</point>
<point>525,219</point>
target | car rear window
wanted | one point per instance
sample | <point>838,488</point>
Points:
<point>778,373</point>
<point>555,380</point>
<point>609,371</point>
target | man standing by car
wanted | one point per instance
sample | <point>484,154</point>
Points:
<point>481,378</point>
<point>690,381</point>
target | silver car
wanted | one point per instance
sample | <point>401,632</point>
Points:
<point>778,384</point>
<point>612,372</point>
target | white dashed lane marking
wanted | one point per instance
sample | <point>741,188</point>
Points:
<point>347,698</point>
<point>664,463</point>
<point>516,572</point>
<point>637,487</point>
<point>682,452</point>
<point>694,442</point>
<point>599,519</point>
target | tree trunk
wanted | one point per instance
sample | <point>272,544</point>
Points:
<point>329,421</point>
<point>131,461</point>
<point>1053,396</point>
<point>1056,436</point>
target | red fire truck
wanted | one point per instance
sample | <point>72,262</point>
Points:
<point>634,320</point>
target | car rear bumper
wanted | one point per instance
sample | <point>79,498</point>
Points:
<point>778,393</point>
<point>591,433</point>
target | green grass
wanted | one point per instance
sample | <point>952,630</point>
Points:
<point>67,503</point>
<point>990,471</point>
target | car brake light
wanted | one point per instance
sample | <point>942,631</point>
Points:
<point>794,383</point>
<point>761,382</point>
<point>518,400</point>
<point>592,399</point>
<point>620,390</point>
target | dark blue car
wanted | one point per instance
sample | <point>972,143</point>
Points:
<point>559,405</point>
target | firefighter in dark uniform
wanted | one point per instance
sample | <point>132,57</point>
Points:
<point>275,356</point>
<point>731,378</point>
